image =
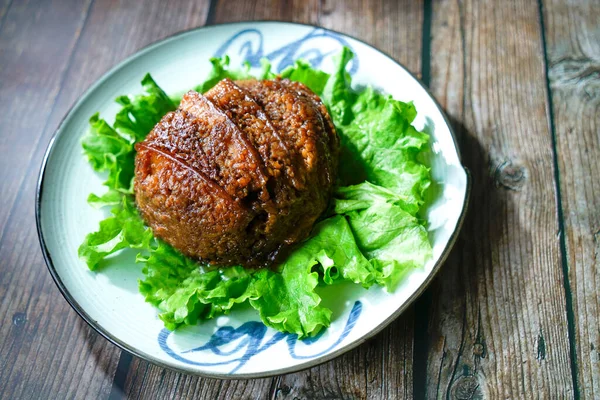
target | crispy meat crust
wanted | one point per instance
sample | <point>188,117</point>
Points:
<point>235,175</point>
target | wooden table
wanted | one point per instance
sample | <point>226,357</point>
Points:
<point>515,311</point>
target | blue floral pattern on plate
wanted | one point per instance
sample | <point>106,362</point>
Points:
<point>250,48</point>
<point>251,335</point>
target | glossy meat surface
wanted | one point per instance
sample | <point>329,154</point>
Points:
<point>236,174</point>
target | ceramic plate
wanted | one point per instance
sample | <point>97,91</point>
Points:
<point>237,345</point>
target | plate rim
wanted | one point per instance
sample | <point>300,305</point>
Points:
<point>242,376</point>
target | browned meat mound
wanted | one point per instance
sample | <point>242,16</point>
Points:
<point>236,174</point>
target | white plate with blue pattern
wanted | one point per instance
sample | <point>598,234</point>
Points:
<point>237,345</point>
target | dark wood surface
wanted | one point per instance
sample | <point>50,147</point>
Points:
<point>498,323</point>
<point>515,311</point>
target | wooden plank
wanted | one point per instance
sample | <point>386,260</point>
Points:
<point>147,381</point>
<point>498,325</point>
<point>383,367</point>
<point>34,48</point>
<point>47,351</point>
<point>294,10</point>
<point>4,6</point>
<point>37,40</point>
<point>379,369</point>
<point>394,27</point>
<point>573,62</point>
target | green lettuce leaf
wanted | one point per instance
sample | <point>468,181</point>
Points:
<point>111,198</point>
<point>302,72</point>
<point>124,229</point>
<point>371,235</point>
<point>111,148</point>
<point>393,240</point>
<point>289,302</point>
<point>338,94</point>
<point>139,114</point>
<point>222,70</point>
<point>383,147</point>
<point>184,293</point>
<point>106,150</point>
<point>379,144</point>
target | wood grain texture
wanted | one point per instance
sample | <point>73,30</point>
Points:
<point>144,380</point>
<point>4,6</point>
<point>394,27</point>
<point>147,381</point>
<point>379,369</point>
<point>498,324</point>
<point>32,34</point>
<point>306,12</point>
<point>50,53</point>
<point>573,57</point>
<point>42,342</point>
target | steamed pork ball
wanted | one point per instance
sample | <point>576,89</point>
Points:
<point>233,176</point>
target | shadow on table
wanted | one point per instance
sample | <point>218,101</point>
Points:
<point>109,361</point>
<point>448,317</point>
<point>484,233</point>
